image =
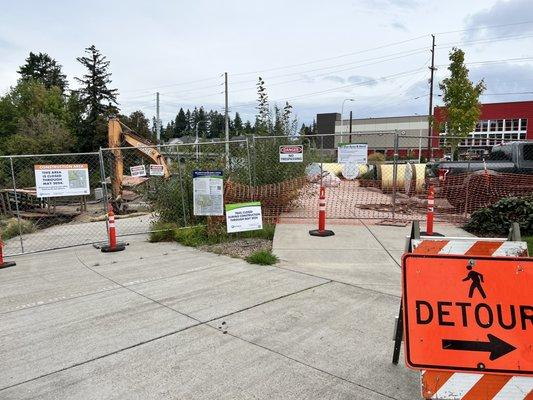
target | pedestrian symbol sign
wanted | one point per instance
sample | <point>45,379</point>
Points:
<point>468,313</point>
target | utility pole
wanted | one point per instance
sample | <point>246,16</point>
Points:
<point>157,120</point>
<point>430,113</point>
<point>226,117</point>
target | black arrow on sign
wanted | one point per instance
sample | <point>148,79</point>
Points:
<point>495,346</point>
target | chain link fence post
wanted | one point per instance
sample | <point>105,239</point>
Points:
<point>252,194</point>
<point>103,179</point>
<point>16,204</point>
<point>395,173</point>
<point>182,191</point>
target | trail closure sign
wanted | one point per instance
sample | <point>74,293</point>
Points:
<point>291,153</point>
<point>57,180</point>
<point>208,192</point>
<point>241,217</point>
<point>355,153</point>
<point>466,313</point>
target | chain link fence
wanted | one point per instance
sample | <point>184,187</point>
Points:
<point>154,183</point>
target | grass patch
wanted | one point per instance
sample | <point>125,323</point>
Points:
<point>263,257</point>
<point>10,228</point>
<point>529,241</point>
<point>162,232</point>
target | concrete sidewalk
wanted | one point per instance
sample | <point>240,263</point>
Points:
<point>163,321</point>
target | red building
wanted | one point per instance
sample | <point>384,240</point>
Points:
<point>498,122</point>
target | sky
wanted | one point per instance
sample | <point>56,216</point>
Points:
<point>313,54</point>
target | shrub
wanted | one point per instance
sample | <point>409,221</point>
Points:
<point>193,236</point>
<point>263,257</point>
<point>10,227</point>
<point>497,218</point>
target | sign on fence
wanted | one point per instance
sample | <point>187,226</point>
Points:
<point>468,313</point>
<point>138,170</point>
<point>156,170</point>
<point>291,153</point>
<point>356,153</point>
<point>243,217</point>
<point>57,180</point>
<point>208,193</point>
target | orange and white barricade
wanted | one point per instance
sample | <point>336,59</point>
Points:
<point>463,383</point>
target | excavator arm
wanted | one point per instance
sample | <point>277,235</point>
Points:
<point>116,137</point>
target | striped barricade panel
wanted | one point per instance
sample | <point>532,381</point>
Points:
<point>444,385</point>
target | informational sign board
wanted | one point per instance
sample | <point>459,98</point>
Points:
<point>355,153</point>
<point>208,193</point>
<point>291,153</point>
<point>138,170</point>
<point>468,313</point>
<point>243,217</point>
<point>156,170</point>
<point>62,180</point>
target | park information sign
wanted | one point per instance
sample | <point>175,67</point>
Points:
<point>62,180</point>
<point>243,217</point>
<point>208,193</point>
<point>466,313</point>
<point>156,170</point>
<point>356,153</point>
<point>291,153</point>
<point>138,170</point>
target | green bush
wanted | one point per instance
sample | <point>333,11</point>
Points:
<point>497,218</point>
<point>193,236</point>
<point>263,257</point>
<point>10,227</point>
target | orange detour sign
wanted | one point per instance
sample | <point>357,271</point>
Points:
<point>468,313</point>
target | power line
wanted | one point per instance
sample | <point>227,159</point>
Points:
<point>484,27</point>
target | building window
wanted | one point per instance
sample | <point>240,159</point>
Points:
<point>500,125</point>
<point>524,124</point>
<point>484,126</point>
<point>508,125</point>
<point>516,124</point>
<point>492,126</point>
<point>478,127</point>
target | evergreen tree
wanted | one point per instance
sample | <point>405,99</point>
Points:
<point>216,125</point>
<point>180,124</point>
<point>42,68</point>
<point>248,128</point>
<point>189,128</point>
<point>237,124</point>
<point>461,98</point>
<point>99,100</point>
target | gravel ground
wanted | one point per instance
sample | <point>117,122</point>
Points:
<point>240,248</point>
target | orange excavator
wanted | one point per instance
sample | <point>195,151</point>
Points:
<point>117,138</point>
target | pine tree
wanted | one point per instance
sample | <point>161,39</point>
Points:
<point>99,100</point>
<point>237,124</point>
<point>189,128</point>
<point>42,68</point>
<point>461,98</point>
<point>180,124</point>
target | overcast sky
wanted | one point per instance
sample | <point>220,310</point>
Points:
<point>311,53</point>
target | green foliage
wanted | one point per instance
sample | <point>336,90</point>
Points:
<point>461,98</point>
<point>10,227</point>
<point>194,236</point>
<point>263,257</point>
<point>497,218</point>
<point>39,134</point>
<point>529,241</point>
<point>98,99</point>
<point>162,231</point>
<point>44,69</point>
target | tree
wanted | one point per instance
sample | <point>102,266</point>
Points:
<point>38,134</point>
<point>139,124</point>
<point>28,98</point>
<point>237,124</point>
<point>263,108</point>
<point>99,100</point>
<point>180,125</point>
<point>42,68</point>
<point>461,99</point>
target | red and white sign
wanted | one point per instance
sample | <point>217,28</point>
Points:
<point>291,153</point>
<point>468,313</point>
<point>156,170</point>
<point>138,170</point>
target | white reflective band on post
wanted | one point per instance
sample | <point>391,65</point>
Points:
<point>322,209</point>
<point>431,202</point>
<point>111,224</point>
<point>430,209</point>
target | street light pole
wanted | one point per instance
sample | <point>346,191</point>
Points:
<point>342,111</point>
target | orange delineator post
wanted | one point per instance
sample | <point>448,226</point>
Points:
<point>321,231</point>
<point>112,234</point>
<point>4,264</point>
